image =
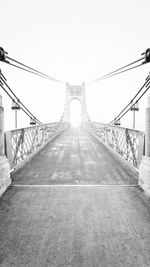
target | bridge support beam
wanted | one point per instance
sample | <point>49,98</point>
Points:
<point>5,180</point>
<point>144,169</point>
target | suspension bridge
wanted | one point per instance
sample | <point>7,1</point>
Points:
<point>74,196</point>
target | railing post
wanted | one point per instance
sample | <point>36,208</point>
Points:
<point>1,128</point>
<point>144,170</point>
<point>140,149</point>
<point>4,164</point>
<point>147,132</point>
<point>8,148</point>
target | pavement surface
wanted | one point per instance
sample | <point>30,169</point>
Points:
<point>75,157</point>
<point>75,204</point>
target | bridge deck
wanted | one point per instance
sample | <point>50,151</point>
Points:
<point>75,157</point>
<point>106,224</point>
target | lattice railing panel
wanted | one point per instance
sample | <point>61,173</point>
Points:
<point>127,142</point>
<point>23,142</point>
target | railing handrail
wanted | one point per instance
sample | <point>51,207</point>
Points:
<point>129,143</point>
<point>21,143</point>
<point>32,127</point>
<point>120,127</point>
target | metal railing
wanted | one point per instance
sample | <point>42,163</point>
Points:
<point>21,143</point>
<point>127,142</point>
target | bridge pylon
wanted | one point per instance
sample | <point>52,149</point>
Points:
<point>144,170</point>
<point>75,92</point>
<point>5,180</point>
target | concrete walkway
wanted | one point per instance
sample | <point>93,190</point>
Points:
<point>75,157</point>
<point>74,205</point>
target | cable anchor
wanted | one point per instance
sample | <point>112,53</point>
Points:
<point>3,55</point>
<point>147,56</point>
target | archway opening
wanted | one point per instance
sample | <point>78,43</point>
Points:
<point>75,113</point>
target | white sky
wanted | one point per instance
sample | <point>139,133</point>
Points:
<point>74,41</point>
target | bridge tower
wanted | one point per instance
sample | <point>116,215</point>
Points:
<point>75,92</point>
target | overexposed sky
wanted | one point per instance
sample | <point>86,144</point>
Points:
<point>74,41</point>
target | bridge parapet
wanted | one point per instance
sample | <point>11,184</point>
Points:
<point>20,144</point>
<point>128,143</point>
<point>5,180</point>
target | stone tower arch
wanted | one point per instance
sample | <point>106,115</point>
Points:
<point>75,92</point>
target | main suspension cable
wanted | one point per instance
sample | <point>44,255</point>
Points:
<point>36,73</point>
<point>21,68</point>
<point>114,72</point>
<point>4,57</point>
<point>122,71</point>
<point>131,104</point>
<point>124,68</point>
<point>134,104</point>
<point>18,102</point>
<point>32,69</point>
